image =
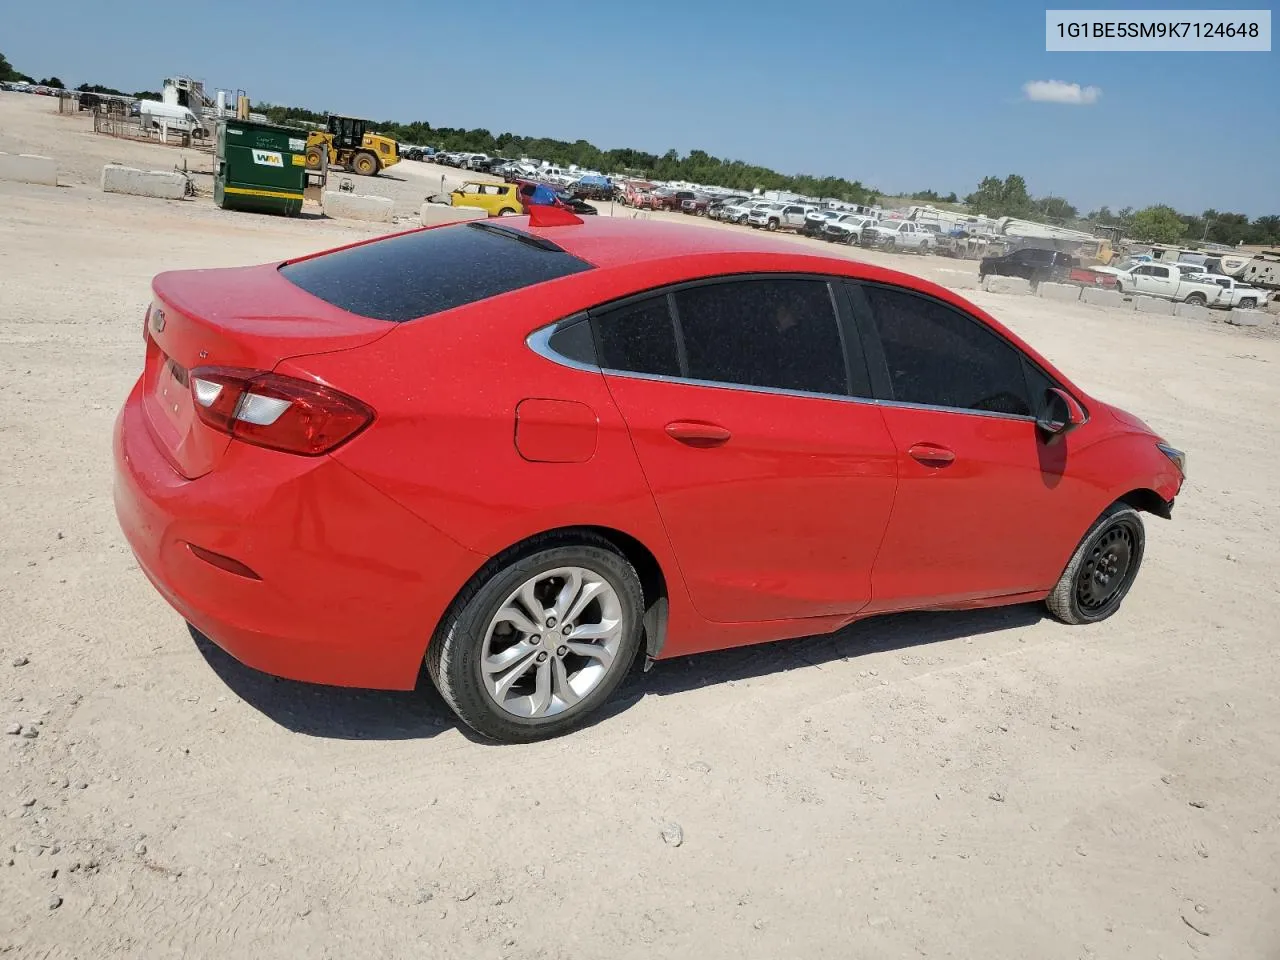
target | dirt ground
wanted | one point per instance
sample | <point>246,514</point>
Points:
<point>985,784</point>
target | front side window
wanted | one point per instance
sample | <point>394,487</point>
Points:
<point>781,334</point>
<point>938,356</point>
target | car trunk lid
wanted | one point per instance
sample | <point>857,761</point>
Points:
<point>249,317</point>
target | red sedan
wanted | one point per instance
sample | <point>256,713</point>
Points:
<point>534,452</point>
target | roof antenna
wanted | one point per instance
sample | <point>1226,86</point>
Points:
<point>544,215</point>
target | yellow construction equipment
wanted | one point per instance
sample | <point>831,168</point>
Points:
<point>348,144</point>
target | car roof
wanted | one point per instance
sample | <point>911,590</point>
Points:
<point>618,241</point>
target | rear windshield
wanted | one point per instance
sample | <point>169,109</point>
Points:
<point>418,274</point>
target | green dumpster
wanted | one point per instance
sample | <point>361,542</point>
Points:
<point>260,167</point>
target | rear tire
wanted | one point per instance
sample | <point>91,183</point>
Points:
<point>1197,299</point>
<point>506,212</point>
<point>1248,303</point>
<point>470,637</point>
<point>365,164</point>
<point>1102,569</point>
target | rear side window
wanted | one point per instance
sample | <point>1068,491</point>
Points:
<point>418,274</point>
<point>763,333</point>
<point>938,356</point>
<point>638,337</point>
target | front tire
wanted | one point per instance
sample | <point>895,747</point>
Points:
<point>1102,569</point>
<point>501,656</point>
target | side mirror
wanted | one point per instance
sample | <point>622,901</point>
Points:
<point>1060,413</point>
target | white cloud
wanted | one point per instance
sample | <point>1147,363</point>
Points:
<point>1055,91</point>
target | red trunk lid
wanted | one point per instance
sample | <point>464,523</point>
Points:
<point>248,317</point>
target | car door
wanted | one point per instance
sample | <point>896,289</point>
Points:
<point>984,507</point>
<point>773,482</point>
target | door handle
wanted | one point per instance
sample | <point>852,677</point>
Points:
<point>697,434</point>
<point>932,455</point>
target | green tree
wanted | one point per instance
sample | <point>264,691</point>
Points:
<point>99,88</point>
<point>1001,198</point>
<point>7,72</point>
<point>697,166</point>
<point>1055,208</point>
<point>55,82</point>
<point>1157,224</point>
<point>1265,230</point>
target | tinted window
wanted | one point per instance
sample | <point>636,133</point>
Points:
<point>417,274</point>
<point>1162,272</point>
<point>937,355</point>
<point>764,333</point>
<point>638,337</point>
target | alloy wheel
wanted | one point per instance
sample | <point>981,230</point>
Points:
<point>552,642</point>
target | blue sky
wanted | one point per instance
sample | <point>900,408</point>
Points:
<point>902,96</point>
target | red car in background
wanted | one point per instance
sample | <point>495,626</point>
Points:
<point>632,190</point>
<point>1086,277</point>
<point>533,450</point>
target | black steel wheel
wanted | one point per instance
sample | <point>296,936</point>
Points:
<point>1102,569</point>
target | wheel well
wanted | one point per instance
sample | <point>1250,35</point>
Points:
<point>652,580</point>
<point>1148,501</point>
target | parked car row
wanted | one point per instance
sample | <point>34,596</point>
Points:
<point>21,86</point>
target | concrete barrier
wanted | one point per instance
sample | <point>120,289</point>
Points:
<point>1163,308</point>
<point>161,184</point>
<point>1246,318</point>
<point>434,214</point>
<point>356,206</point>
<point>1192,311</point>
<point>29,168</point>
<point>1066,292</point>
<point>996,284</point>
<point>1102,298</point>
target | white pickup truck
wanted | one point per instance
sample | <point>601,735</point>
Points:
<point>1234,293</point>
<point>899,235</point>
<point>1167,282</point>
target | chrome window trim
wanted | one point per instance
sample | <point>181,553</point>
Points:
<point>539,341</point>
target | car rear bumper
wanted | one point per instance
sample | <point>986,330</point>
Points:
<point>351,585</point>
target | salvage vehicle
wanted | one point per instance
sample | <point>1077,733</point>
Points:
<point>719,208</point>
<point>497,199</point>
<point>847,228</point>
<point>339,494</point>
<point>697,205</point>
<point>816,220</point>
<point>1090,277</point>
<point>1167,282</point>
<point>1034,264</point>
<point>1235,292</point>
<point>775,216</point>
<point>738,212</point>
<point>898,235</point>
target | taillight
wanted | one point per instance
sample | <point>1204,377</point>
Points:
<point>270,410</point>
<point>146,324</point>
